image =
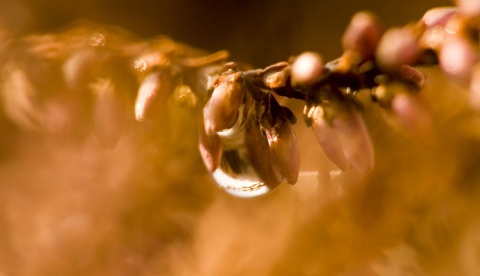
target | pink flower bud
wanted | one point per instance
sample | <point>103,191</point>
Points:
<point>362,35</point>
<point>355,140</point>
<point>152,95</point>
<point>398,46</point>
<point>328,138</point>
<point>412,75</point>
<point>284,149</point>
<point>306,69</point>
<point>438,16</point>
<point>222,108</point>
<point>457,58</point>
<point>411,112</point>
<point>79,70</point>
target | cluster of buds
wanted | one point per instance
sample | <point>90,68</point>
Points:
<point>382,63</point>
<point>246,137</point>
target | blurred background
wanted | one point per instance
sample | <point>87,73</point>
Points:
<point>258,32</point>
<point>147,205</point>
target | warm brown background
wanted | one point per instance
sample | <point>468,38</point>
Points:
<point>258,32</point>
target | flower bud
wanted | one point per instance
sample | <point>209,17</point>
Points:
<point>259,153</point>
<point>80,68</point>
<point>328,139</point>
<point>307,69</point>
<point>438,16</point>
<point>411,112</point>
<point>362,35</point>
<point>457,58</point>
<point>412,75</point>
<point>398,46</point>
<point>152,95</point>
<point>284,149</point>
<point>222,108</point>
<point>355,139</point>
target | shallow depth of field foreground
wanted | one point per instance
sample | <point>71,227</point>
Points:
<point>75,201</point>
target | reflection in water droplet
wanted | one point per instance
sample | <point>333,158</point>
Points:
<point>240,185</point>
<point>235,174</point>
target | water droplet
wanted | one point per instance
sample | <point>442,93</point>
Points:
<point>236,175</point>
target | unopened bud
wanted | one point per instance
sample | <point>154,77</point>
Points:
<point>457,58</point>
<point>328,139</point>
<point>307,69</point>
<point>438,16</point>
<point>354,137</point>
<point>259,154</point>
<point>362,35</point>
<point>411,112</point>
<point>398,46</point>
<point>284,149</point>
<point>79,69</point>
<point>152,94</point>
<point>412,75</point>
<point>222,108</point>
